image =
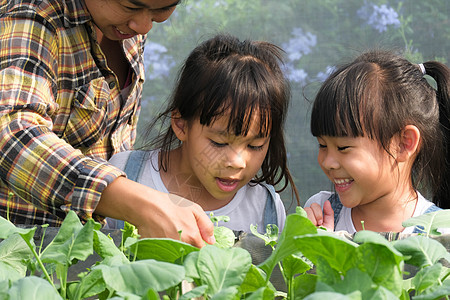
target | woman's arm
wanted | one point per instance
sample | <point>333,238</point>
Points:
<point>154,213</point>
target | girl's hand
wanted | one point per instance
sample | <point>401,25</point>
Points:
<point>321,218</point>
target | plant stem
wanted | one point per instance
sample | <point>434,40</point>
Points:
<point>61,271</point>
<point>41,265</point>
<point>10,195</point>
<point>42,239</point>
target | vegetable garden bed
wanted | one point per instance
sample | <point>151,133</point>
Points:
<point>79,261</point>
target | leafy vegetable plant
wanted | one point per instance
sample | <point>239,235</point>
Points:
<point>315,264</point>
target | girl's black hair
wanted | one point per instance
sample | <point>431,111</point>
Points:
<point>225,75</point>
<point>377,95</point>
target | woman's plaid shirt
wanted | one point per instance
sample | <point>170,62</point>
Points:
<point>61,112</point>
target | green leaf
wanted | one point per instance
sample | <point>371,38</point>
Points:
<point>151,295</point>
<point>354,280</point>
<point>304,285</point>
<point>224,236</point>
<point>325,273</point>
<point>431,221</point>
<point>222,268</point>
<point>73,241</point>
<point>294,264</point>
<point>337,251</point>
<point>105,247</point>
<point>439,293</point>
<point>14,255</point>
<point>129,231</point>
<point>161,249</point>
<point>254,280</point>
<point>228,293</point>
<point>422,251</point>
<point>263,293</point>
<point>426,277</point>
<point>383,294</point>
<point>4,288</point>
<point>295,225</point>
<point>130,296</point>
<point>7,228</point>
<point>138,276</point>
<point>194,293</point>
<point>8,272</point>
<point>190,265</point>
<point>335,296</point>
<point>300,211</point>
<point>217,219</point>
<point>28,235</point>
<point>33,287</point>
<point>383,266</point>
<point>270,237</point>
<point>90,285</point>
<point>112,261</point>
<point>372,237</point>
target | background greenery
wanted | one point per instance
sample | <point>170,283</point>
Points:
<point>316,35</point>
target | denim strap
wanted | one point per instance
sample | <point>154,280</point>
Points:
<point>133,169</point>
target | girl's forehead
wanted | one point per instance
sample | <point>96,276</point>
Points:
<point>221,125</point>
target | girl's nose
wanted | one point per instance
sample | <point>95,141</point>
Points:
<point>236,159</point>
<point>328,161</point>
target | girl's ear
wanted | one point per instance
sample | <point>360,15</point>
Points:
<point>409,143</point>
<point>179,125</point>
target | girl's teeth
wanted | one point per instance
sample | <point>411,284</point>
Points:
<point>227,182</point>
<point>342,181</point>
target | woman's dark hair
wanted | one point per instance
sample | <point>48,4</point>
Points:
<point>377,95</point>
<point>224,75</point>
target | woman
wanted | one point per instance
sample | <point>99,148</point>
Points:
<point>71,78</point>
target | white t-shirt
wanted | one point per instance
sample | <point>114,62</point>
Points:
<point>246,207</point>
<point>345,217</point>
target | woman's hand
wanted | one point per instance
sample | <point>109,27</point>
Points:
<point>156,214</point>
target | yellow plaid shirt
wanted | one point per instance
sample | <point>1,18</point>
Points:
<point>62,115</point>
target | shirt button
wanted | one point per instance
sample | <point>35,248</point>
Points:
<point>112,85</point>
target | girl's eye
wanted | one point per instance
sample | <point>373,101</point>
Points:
<point>218,145</point>
<point>256,148</point>
<point>321,146</point>
<point>342,148</point>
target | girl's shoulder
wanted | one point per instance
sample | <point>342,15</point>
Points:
<point>260,195</point>
<point>121,159</point>
<point>423,205</point>
<point>319,198</point>
<point>259,190</point>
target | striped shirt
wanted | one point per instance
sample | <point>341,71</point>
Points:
<point>62,113</point>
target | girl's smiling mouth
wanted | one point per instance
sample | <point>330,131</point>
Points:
<point>342,185</point>
<point>227,185</point>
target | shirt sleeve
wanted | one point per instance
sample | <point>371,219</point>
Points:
<point>318,198</point>
<point>36,164</point>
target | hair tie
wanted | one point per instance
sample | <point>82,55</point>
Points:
<point>422,68</point>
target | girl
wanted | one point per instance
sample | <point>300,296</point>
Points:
<point>226,118</point>
<point>383,132</point>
